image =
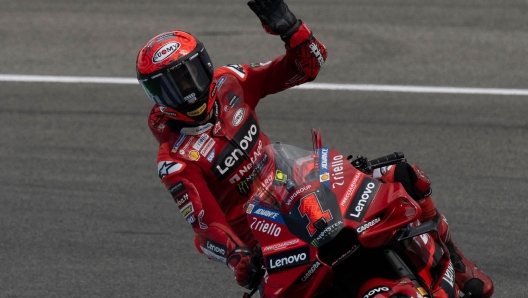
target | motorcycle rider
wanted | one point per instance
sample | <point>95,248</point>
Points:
<point>209,135</point>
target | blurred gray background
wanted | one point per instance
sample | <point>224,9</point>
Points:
<point>82,212</point>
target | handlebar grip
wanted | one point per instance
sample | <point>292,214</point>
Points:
<point>387,160</point>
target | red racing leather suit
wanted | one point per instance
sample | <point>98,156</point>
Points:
<point>206,168</point>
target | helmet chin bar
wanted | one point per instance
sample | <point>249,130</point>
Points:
<point>204,117</point>
<point>198,120</point>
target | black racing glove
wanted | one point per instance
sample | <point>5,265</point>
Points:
<point>276,17</point>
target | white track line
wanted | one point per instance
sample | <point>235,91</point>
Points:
<point>64,79</point>
<point>310,86</point>
<point>413,89</point>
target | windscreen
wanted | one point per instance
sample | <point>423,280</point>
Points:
<point>285,169</point>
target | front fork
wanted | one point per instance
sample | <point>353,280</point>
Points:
<point>404,272</point>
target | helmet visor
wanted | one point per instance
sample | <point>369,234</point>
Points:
<point>182,84</point>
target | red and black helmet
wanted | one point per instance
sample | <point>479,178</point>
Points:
<point>176,73</point>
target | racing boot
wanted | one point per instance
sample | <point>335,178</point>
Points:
<point>469,279</point>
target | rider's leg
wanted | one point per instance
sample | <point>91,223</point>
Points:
<point>470,279</point>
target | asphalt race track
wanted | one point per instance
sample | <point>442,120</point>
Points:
<point>82,212</point>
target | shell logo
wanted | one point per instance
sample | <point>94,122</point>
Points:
<point>194,155</point>
<point>324,177</point>
<point>250,208</point>
<point>165,52</point>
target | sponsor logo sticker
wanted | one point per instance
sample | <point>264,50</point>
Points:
<point>328,231</point>
<point>243,188</point>
<point>372,292</point>
<point>217,127</point>
<point>165,36</point>
<point>187,209</point>
<point>234,100</point>
<point>215,250</point>
<point>191,219</point>
<point>238,69</point>
<point>316,52</point>
<point>362,199</point>
<point>196,130</point>
<point>200,142</point>
<point>350,190</point>
<point>280,246</point>
<point>164,111</point>
<point>179,141</point>
<point>211,156</point>
<point>218,86</point>
<point>238,117</point>
<point>324,175</point>
<point>263,226</point>
<point>336,169</point>
<point>449,275</point>
<point>369,224</point>
<point>232,156</point>
<point>182,199</point>
<point>297,192</point>
<point>194,155</point>
<point>249,208</point>
<point>198,111</point>
<point>166,168</point>
<point>176,188</point>
<point>268,214</point>
<point>165,52</point>
<point>207,147</point>
<point>311,271</point>
<point>284,260</point>
<point>203,226</point>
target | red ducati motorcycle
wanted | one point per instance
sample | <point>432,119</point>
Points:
<point>327,229</point>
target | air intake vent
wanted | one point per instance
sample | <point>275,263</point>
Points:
<point>339,248</point>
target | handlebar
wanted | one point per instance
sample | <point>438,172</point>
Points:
<point>386,160</point>
<point>367,166</point>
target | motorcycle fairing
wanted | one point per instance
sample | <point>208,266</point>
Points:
<point>382,287</point>
<point>312,191</point>
<point>431,262</point>
<point>267,225</point>
<point>281,214</point>
<point>361,201</point>
<point>286,259</point>
<point>393,208</point>
<point>292,283</point>
<point>373,209</point>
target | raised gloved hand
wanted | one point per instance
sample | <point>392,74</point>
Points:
<point>275,16</point>
<point>241,260</point>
